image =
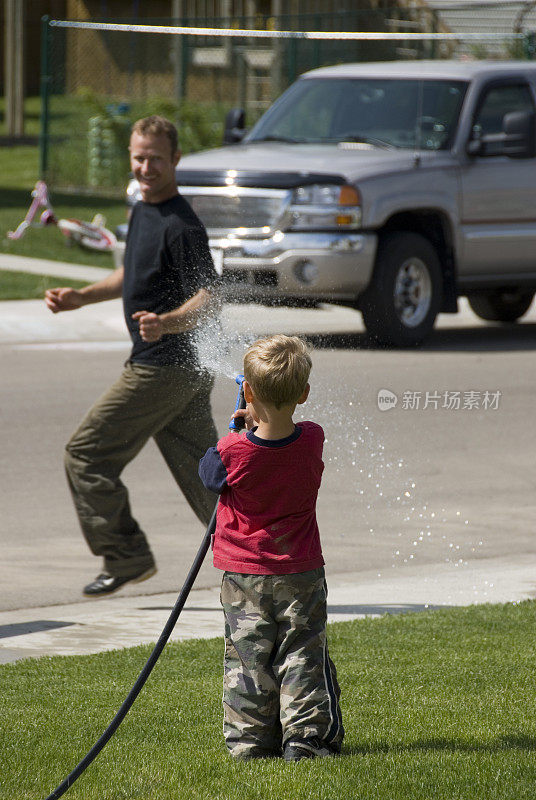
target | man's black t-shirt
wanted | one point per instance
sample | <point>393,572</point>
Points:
<point>167,260</point>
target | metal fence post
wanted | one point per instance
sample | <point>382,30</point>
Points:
<point>292,56</point>
<point>14,67</point>
<point>529,45</point>
<point>45,97</point>
<point>317,58</point>
<point>185,64</point>
<point>434,28</point>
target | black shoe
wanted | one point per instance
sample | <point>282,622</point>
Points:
<point>108,584</point>
<point>297,749</point>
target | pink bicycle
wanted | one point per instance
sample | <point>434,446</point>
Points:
<point>93,235</point>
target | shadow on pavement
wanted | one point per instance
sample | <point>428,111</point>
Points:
<point>362,610</point>
<point>36,626</point>
<point>490,338</point>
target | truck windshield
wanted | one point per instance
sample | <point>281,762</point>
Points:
<point>401,113</point>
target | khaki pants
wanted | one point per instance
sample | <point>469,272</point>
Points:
<point>279,682</point>
<point>170,404</point>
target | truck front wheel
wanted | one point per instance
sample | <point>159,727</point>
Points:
<point>501,305</point>
<point>404,297</point>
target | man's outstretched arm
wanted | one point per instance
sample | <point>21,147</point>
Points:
<point>67,299</point>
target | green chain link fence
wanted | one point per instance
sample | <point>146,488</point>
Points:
<point>95,83</point>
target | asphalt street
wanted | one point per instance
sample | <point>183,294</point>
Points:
<point>441,485</point>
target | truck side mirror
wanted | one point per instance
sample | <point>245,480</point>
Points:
<point>235,126</point>
<point>519,129</point>
<point>517,140</point>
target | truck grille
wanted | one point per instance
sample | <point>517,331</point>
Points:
<point>252,210</point>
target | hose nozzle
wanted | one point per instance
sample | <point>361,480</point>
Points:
<point>236,424</point>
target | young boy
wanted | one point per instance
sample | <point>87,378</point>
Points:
<point>280,690</point>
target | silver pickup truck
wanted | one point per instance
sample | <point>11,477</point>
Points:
<point>391,187</point>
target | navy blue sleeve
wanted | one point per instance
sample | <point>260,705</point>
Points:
<point>212,471</point>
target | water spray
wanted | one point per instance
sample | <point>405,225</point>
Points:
<point>235,425</point>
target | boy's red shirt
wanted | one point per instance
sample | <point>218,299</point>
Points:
<point>266,521</point>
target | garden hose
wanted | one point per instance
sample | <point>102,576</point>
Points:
<point>236,424</point>
<point>147,669</point>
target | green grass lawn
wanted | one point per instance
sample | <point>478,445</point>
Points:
<point>19,171</point>
<point>32,115</point>
<point>439,705</point>
<point>201,126</point>
<point>26,286</point>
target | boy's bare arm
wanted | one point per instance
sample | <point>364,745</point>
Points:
<point>67,299</point>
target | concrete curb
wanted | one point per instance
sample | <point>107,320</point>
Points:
<point>111,623</point>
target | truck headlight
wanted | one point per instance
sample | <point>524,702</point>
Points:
<point>325,207</point>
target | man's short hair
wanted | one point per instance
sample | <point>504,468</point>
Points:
<point>277,369</point>
<point>158,126</point>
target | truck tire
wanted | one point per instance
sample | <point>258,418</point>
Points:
<point>404,297</point>
<point>501,305</point>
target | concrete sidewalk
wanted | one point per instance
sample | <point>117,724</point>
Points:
<point>121,621</point>
<point>60,269</point>
<point>94,626</point>
<point>29,321</point>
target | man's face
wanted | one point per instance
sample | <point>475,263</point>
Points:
<point>153,165</point>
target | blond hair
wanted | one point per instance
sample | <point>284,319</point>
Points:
<point>158,126</point>
<point>277,369</point>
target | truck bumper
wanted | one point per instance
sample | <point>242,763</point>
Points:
<point>312,266</point>
<point>300,266</point>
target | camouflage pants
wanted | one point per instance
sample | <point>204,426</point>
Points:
<point>279,682</point>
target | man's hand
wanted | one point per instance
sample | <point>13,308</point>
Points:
<point>63,299</point>
<point>151,326</point>
<point>66,299</point>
